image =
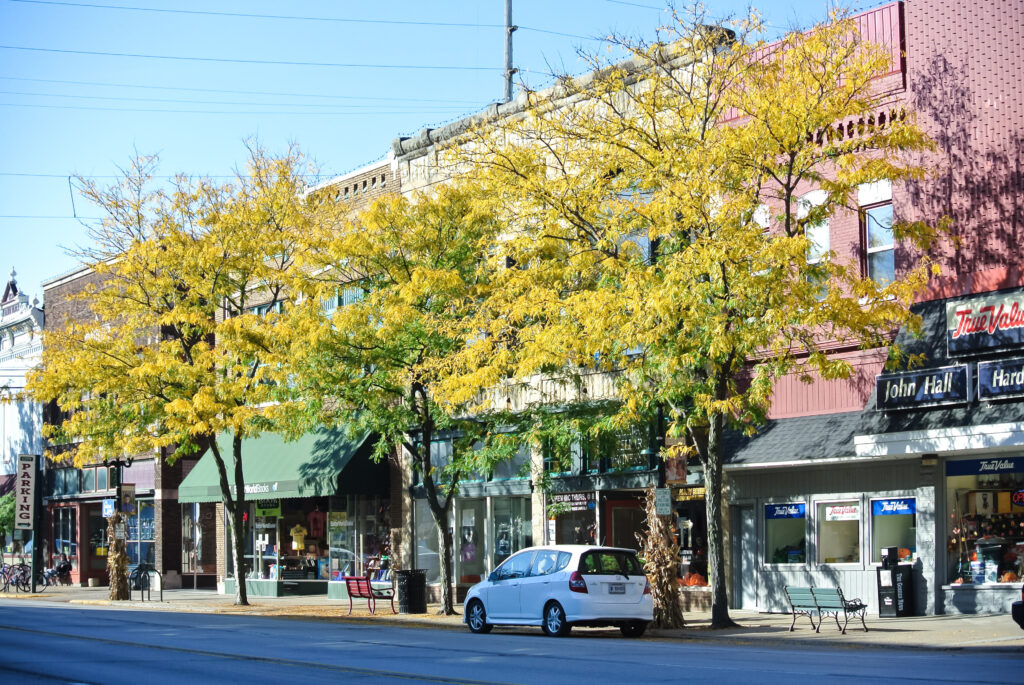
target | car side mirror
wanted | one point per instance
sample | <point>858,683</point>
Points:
<point>493,577</point>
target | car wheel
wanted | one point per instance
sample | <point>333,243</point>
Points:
<point>634,628</point>
<point>476,617</point>
<point>554,623</point>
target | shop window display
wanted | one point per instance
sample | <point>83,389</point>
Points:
<point>894,524</point>
<point>470,553</point>
<point>198,538</point>
<point>141,534</point>
<point>65,533</point>
<point>512,526</point>
<point>785,533</point>
<point>427,557</point>
<point>985,521</point>
<point>838,539</point>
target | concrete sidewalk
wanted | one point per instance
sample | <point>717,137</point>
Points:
<point>953,632</point>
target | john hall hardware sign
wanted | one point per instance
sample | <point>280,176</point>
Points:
<point>924,388</point>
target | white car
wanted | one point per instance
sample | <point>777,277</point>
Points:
<point>559,586</point>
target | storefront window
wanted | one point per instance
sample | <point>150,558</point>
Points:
<point>97,537</point>
<point>301,537</point>
<point>426,542</point>
<point>575,516</point>
<point>894,524</point>
<point>838,540</point>
<point>785,533</point>
<point>341,530</point>
<point>470,552</point>
<point>198,538</point>
<point>513,529</point>
<point>65,533</point>
<point>141,534</point>
<point>985,520</point>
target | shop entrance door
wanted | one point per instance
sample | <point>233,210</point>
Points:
<point>627,522</point>
<point>744,548</point>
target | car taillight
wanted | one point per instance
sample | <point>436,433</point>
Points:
<point>647,587</point>
<point>577,583</point>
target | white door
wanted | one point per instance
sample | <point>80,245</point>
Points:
<point>503,597</point>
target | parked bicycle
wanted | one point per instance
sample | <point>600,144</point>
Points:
<point>18,576</point>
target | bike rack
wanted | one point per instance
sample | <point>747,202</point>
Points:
<point>140,576</point>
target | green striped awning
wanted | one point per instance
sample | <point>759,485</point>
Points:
<point>274,468</point>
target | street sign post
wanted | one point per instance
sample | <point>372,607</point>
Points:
<point>25,498</point>
<point>663,501</point>
<point>108,508</point>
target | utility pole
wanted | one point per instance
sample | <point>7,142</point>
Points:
<point>510,28</point>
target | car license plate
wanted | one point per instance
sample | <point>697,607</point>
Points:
<point>616,588</point>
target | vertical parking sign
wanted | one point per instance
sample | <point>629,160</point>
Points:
<point>25,501</point>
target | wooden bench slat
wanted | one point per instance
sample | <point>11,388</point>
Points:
<point>359,587</point>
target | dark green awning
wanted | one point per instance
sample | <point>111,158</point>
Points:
<point>273,468</point>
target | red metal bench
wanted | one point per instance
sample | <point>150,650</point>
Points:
<point>359,587</point>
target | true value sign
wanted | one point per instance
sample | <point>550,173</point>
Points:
<point>25,499</point>
<point>981,324</point>
<point>924,388</point>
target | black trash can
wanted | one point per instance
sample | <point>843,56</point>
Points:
<point>412,591</point>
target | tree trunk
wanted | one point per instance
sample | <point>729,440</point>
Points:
<point>235,505</point>
<point>716,542</point>
<point>117,558</point>
<point>238,523</point>
<point>238,552</point>
<point>444,551</point>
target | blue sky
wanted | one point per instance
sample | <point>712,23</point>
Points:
<point>191,80</point>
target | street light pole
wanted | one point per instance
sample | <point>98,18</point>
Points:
<point>116,549</point>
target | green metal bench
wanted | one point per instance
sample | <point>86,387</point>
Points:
<point>831,602</point>
<point>802,602</point>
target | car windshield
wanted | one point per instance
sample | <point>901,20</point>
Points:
<point>610,562</point>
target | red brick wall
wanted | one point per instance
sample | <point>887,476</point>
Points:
<point>965,73</point>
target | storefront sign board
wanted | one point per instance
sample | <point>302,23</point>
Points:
<point>785,511</point>
<point>575,501</point>
<point>268,507</point>
<point>128,498</point>
<point>991,322</point>
<point>25,499</point>
<point>1000,379</point>
<point>924,388</point>
<point>1017,498</point>
<point>894,507</point>
<point>977,467</point>
<point>842,512</point>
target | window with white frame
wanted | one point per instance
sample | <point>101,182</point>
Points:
<point>875,201</point>
<point>838,532</point>
<point>817,233</point>
<point>785,533</point>
<point>894,524</point>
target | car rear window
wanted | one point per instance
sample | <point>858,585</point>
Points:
<point>610,562</point>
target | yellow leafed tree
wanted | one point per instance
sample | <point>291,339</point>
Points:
<point>661,233</point>
<point>171,354</point>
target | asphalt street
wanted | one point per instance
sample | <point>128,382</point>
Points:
<point>46,644</point>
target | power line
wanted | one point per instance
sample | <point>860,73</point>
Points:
<point>231,60</point>
<point>215,111</point>
<point>614,2</point>
<point>245,15</point>
<point>205,102</point>
<point>279,17</point>
<point>36,216</point>
<point>232,92</point>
